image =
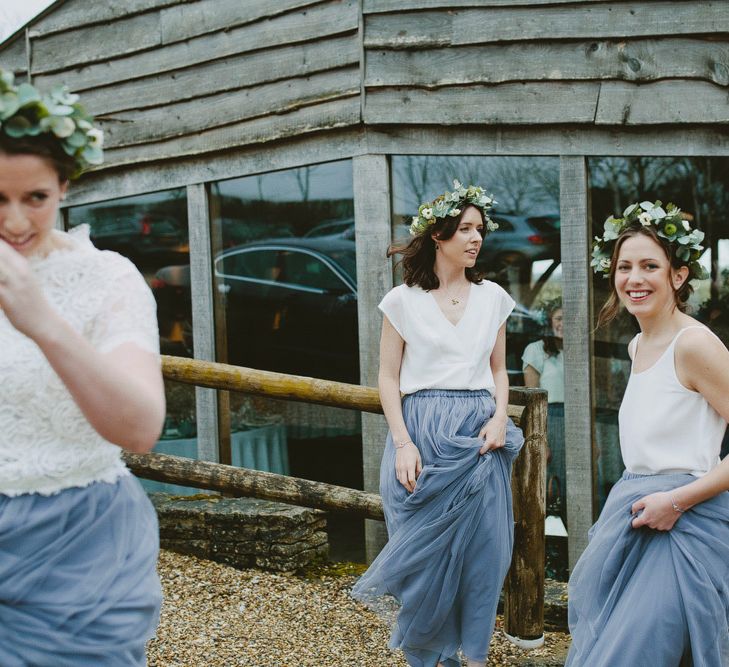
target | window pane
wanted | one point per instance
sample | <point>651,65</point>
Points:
<point>285,285</point>
<point>700,187</point>
<point>151,230</point>
<point>523,256</point>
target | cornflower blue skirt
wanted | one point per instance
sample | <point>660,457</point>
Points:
<point>450,541</point>
<point>649,597</point>
<point>78,580</point>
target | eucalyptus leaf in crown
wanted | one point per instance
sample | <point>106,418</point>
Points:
<point>669,224</point>
<point>27,112</point>
<point>450,204</point>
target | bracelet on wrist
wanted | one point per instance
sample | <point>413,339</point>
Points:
<point>401,444</point>
<point>676,508</point>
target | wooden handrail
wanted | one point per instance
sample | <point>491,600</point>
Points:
<point>290,387</point>
<point>524,586</point>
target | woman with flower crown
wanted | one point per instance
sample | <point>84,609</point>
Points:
<point>651,587</point>
<point>446,470</point>
<point>80,382</point>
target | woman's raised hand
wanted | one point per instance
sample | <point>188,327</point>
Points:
<point>21,298</point>
<point>408,465</point>
<point>658,512</point>
<point>493,434</point>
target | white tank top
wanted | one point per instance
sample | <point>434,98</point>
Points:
<point>665,427</point>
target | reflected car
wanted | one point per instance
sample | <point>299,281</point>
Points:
<point>147,239</point>
<point>519,241</point>
<point>291,306</point>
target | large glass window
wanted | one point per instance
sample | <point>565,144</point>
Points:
<point>286,301</point>
<point>151,230</point>
<point>523,256</point>
<point>700,187</point>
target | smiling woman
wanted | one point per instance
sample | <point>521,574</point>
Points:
<point>81,380</point>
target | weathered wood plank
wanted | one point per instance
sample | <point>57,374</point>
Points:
<point>372,215</point>
<point>198,224</point>
<point>309,148</point>
<point>193,116</point>
<point>254,483</point>
<point>71,14</point>
<point>313,24</point>
<point>534,140</point>
<point>296,151</point>
<point>190,20</point>
<point>225,75</point>
<point>632,60</point>
<point>498,24</point>
<point>325,116</point>
<point>376,6</point>
<point>95,43</point>
<point>662,102</point>
<point>13,56</point>
<point>506,103</point>
<point>577,299</point>
<point>524,585</point>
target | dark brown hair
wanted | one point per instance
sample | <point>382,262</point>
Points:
<point>680,296</point>
<point>44,146</point>
<point>552,344</point>
<point>418,255</point>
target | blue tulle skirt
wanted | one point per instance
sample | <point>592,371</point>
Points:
<point>450,541</point>
<point>648,597</point>
<point>78,580</point>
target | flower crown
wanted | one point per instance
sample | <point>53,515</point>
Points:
<point>26,112</point>
<point>450,204</point>
<point>668,223</point>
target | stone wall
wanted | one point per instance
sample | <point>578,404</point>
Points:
<point>243,532</point>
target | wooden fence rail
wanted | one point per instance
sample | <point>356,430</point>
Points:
<point>524,586</point>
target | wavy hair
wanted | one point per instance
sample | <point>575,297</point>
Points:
<point>418,255</point>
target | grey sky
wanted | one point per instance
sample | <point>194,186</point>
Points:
<point>16,13</point>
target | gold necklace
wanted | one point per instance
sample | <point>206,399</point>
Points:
<point>455,300</point>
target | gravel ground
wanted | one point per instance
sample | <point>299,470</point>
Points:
<point>216,616</point>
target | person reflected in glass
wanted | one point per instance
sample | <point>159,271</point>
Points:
<point>651,587</point>
<point>543,365</point>
<point>81,381</point>
<point>446,468</point>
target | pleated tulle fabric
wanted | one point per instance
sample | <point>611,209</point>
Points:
<point>450,541</point>
<point>648,597</point>
<point>78,580</point>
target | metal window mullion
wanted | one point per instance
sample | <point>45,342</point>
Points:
<point>577,310</point>
<point>203,327</point>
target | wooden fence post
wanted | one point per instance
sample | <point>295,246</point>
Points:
<point>524,586</point>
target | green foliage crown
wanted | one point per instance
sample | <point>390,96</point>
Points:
<point>450,204</point>
<point>669,224</point>
<point>27,112</point>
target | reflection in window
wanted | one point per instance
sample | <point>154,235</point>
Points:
<point>286,301</point>
<point>523,256</point>
<point>700,187</point>
<point>151,230</point>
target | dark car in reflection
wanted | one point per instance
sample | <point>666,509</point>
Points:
<point>290,305</point>
<point>519,241</point>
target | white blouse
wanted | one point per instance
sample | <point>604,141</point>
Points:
<point>665,427</point>
<point>549,367</point>
<point>46,444</point>
<point>439,354</point>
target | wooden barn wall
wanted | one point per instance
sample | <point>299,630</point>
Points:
<point>546,62</point>
<point>174,78</point>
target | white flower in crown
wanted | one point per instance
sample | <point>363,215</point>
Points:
<point>96,137</point>
<point>645,219</point>
<point>427,213</point>
<point>686,225</point>
<point>491,225</point>
<point>605,264</point>
<point>454,212</point>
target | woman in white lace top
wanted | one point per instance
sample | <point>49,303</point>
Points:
<point>80,382</point>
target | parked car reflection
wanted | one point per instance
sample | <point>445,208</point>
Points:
<point>291,306</point>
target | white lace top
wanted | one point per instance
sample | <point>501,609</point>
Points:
<point>46,444</point>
